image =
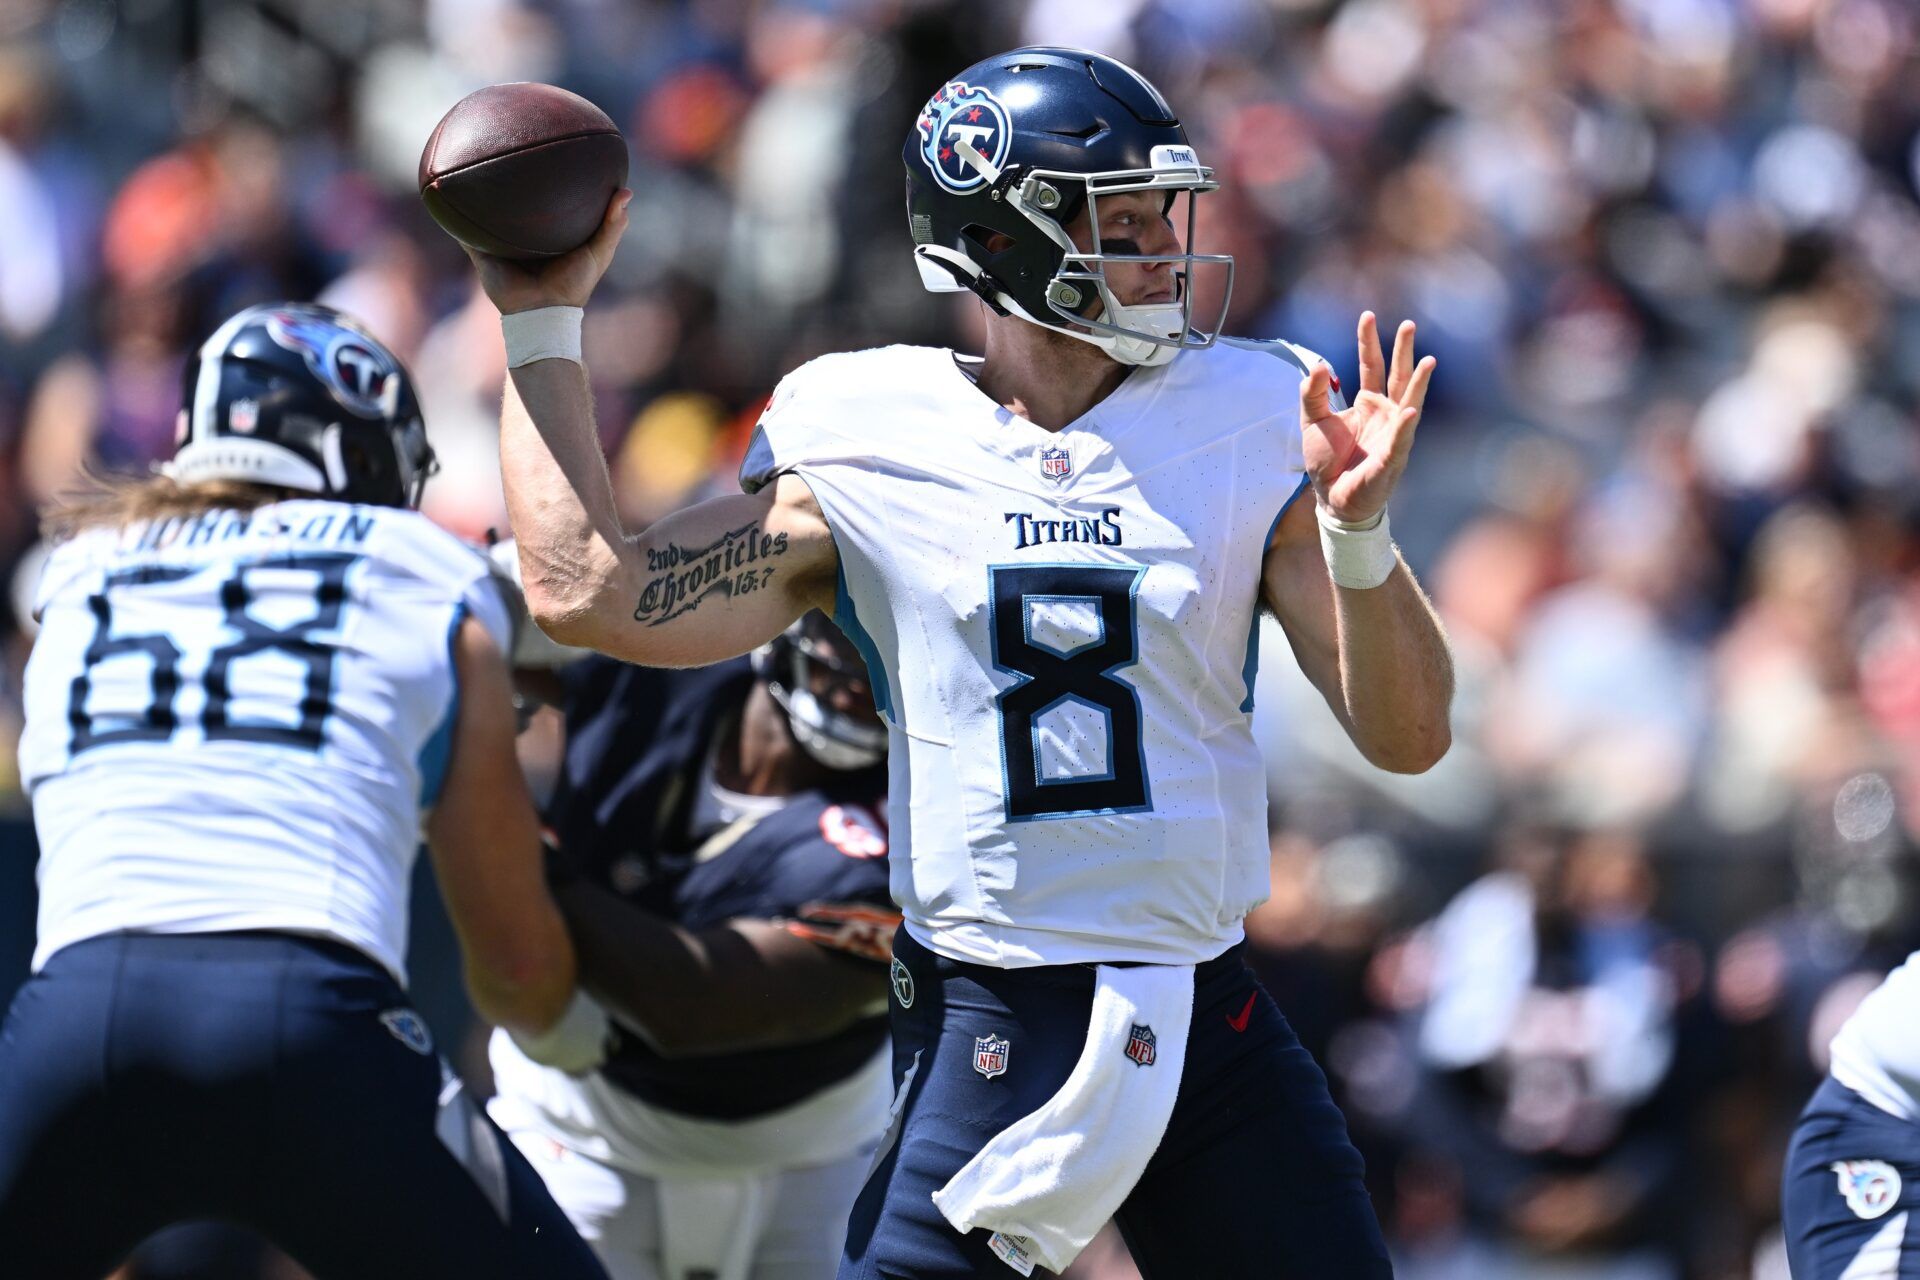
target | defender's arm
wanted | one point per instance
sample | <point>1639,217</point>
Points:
<point>745,984</point>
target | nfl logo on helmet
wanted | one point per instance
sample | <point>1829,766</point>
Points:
<point>1140,1045</point>
<point>990,1055</point>
<point>1056,464</point>
<point>958,118</point>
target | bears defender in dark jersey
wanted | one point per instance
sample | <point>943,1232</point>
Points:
<point>722,863</point>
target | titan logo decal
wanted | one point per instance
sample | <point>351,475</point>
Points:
<point>360,377</point>
<point>960,115</point>
<point>902,984</point>
<point>1871,1187</point>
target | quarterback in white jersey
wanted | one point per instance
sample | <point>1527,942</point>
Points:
<point>255,676</point>
<point>1852,1181</point>
<point>1078,708</point>
<point>1053,559</point>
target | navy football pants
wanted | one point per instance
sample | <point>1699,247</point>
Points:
<point>1255,1179</point>
<point>1850,1191</point>
<point>146,1079</point>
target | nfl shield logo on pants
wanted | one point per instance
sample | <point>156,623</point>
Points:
<point>990,1055</point>
<point>1140,1045</point>
<point>1056,464</point>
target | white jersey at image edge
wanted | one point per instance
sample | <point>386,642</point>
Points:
<point>235,720</point>
<point>1061,628</point>
<point>1877,1051</point>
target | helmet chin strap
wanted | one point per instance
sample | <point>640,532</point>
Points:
<point>1124,348</point>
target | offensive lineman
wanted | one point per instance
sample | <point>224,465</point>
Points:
<point>724,876</point>
<point>255,675</point>
<point>1852,1181</point>
<point>1052,560</point>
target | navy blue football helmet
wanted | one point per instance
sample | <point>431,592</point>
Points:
<point>1017,146</point>
<point>814,652</point>
<point>297,395</point>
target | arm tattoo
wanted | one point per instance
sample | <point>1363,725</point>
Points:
<point>734,564</point>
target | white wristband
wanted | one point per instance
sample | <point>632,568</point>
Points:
<point>1360,556</point>
<point>546,333</point>
<point>576,1044</point>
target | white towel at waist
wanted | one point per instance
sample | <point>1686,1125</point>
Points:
<point>1057,1174</point>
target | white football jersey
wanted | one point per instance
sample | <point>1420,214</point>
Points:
<point>1877,1051</point>
<point>1061,629</point>
<point>234,721</point>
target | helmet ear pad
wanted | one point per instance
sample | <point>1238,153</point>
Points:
<point>1020,257</point>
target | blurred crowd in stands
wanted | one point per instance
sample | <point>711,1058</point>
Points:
<point>1572,985</point>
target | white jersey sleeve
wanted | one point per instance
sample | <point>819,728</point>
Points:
<point>813,428</point>
<point>1877,1051</point>
<point>235,721</point>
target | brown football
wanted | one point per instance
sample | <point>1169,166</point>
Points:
<point>522,170</point>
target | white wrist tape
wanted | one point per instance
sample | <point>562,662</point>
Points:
<point>1358,555</point>
<point>546,333</point>
<point>576,1044</point>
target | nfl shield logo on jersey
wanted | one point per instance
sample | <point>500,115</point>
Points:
<point>1140,1045</point>
<point>990,1055</point>
<point>1871,1187</point>
<point>1056,464</point>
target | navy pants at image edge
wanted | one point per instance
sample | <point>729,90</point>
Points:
<point>1858,1220</point>
<point>1255,1178</point>
<point>252,1078</point>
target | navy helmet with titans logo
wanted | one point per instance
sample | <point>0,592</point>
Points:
<point>298,395</point>
<point>1017,146</point>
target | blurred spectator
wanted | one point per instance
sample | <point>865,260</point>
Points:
<point>1545,1031</point>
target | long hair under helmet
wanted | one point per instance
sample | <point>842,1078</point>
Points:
<point>297,395</point>
<point>1017,145</point>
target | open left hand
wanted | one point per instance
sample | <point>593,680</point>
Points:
<point>1355,457</point>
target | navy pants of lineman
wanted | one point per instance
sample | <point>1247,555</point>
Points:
<point>1850,1194</point>
<point>1255,1178</point>
<point>280,1083</point>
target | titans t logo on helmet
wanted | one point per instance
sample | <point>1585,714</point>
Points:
<point>356,371</point>
<point>961,114</point>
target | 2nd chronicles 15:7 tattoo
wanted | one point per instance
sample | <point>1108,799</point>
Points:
<point>734,564</point>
